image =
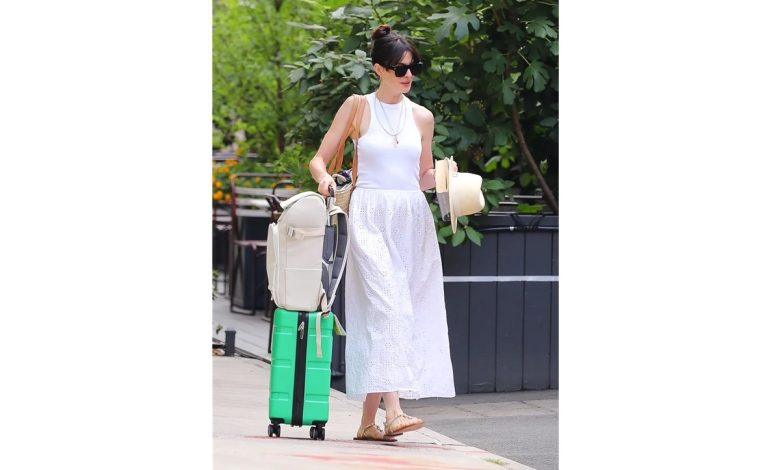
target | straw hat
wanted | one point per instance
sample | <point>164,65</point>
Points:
<point>464,191</point>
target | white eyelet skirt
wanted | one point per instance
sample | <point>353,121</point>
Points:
<point>394,296</point>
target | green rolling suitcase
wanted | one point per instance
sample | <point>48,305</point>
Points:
<point>300,377</point>
<point>301,341</point>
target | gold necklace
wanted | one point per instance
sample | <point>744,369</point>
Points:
<point>400,124</point>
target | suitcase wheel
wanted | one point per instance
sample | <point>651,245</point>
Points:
<point>316,432</point>
<point>274,429</point>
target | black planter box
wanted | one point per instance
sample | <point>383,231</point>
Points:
<point>502,307</point>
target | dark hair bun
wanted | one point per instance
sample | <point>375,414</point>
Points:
<point>380,32</point>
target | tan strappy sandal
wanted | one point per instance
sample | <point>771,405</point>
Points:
<point>401,424</point>
<point>372,433</point>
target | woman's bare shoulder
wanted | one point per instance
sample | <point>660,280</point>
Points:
<point>421,112</point>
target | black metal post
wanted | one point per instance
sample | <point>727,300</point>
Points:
<point>230,343</point>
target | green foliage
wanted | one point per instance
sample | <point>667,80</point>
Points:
<point>495,190</point>
<point>482,59</point>
<point>252,40</point>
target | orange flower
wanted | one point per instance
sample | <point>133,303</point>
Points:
<point>218,184</point>
<point>218,195</point>
<point>227,197</point>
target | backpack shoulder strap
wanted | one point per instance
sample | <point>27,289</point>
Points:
<point>351,130</point>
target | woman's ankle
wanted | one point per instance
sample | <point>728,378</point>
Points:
<point>392,414</point>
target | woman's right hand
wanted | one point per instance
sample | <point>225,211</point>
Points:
<point>325,182</point>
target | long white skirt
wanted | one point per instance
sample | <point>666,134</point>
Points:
<point>394,295</point>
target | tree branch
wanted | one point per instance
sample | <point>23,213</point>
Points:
<point>548,194</point>
<point>379,17</point>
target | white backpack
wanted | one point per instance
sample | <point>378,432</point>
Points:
<point>306,253</point>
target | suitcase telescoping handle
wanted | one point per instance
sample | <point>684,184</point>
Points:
<point>330,201</point>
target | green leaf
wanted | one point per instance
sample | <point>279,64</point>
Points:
<point>493,184</point>
<point>501,136</point>
<point>536,76</point>
<point>475,116</point>
<point>462,28</point>
<point>554,48</point>
<point>295,24</point>
<point>441,129</point>
<point>455,16</point>
<point>352,43</point>
<point>492,199</point>
<point>445,231</point>
<point>525,208</point>
<point>361,54</point>
<point>364,83</point>
<point>315,48</point>
<point>491,164</point>
<point>358,70</point>
<point>435,210</point>
<point>549,121</point>
<point>541,27</point>
<point>474,236</point>
<point>525,179</point>
<point>297,74</point>
<point>359,12</point>
<point>507,92</point>
<point>493,61</point>
<point>458,238</point>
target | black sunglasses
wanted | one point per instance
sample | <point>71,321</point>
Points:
<point>400,69</point>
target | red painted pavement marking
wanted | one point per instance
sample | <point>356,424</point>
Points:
<point>406,445</point>
<point>400,462</point>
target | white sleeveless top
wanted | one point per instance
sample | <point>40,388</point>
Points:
<point>382,164</point>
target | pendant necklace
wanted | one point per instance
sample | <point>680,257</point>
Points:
<point>401,120</point>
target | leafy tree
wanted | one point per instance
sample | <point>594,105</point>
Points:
<point>251,42</point>
<point>491,82</point>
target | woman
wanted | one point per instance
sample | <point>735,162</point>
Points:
<point>397,346</point>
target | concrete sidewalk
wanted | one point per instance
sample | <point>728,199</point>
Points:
<point>240,404</point>
<point>519,426</point>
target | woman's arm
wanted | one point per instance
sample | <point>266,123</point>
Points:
<point>329,146</point>
<point>425,121</point>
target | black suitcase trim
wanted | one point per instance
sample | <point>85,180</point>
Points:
<point>299,385</point>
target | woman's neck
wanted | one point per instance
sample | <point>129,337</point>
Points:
<point>386,95</point>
